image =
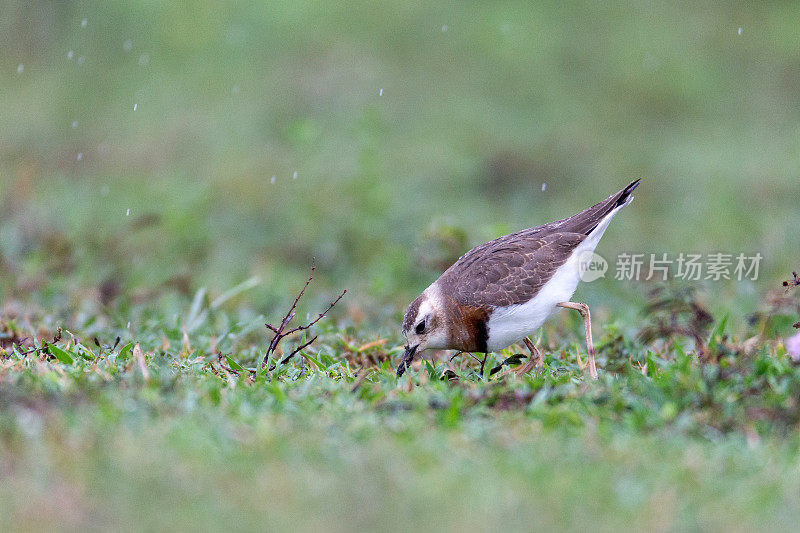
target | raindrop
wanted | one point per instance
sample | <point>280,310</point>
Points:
<point>80,156</point>
<point>294,176</point>
<point>272,179</point>
<point>20,68</point>
<point>128,326</point>
<point>740,31</point>
<point>74,124</point>
<point>70,54</point>
<point>128,212</point>
<point>127,45</point>
<point>84,22</point>
<point>444,28</point>
<point>380,93</point>
<point>544,186</point>
<point>135,106</point>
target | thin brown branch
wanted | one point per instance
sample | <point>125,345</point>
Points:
<point>362,375</point>
<point>456,355</point>
<point>792,283</point>
<point>291,312</point>
<point>319,316</point>
<point>221,361</point>
<point>41,349</point>
<point>280,332</point>
<point>294,352</point>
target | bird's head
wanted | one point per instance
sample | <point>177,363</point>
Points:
<point>423,326</point>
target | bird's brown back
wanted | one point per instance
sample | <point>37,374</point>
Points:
<point>513,268</point>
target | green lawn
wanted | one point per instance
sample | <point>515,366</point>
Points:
<point>176,436</point>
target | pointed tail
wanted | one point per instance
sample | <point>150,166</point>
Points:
<point>587,220</point>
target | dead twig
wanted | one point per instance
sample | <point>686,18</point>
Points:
<point>362,375</point>
<point>41,349</point>
<point>294,352</point>
<point>792,283</point>
<point>280,331</point>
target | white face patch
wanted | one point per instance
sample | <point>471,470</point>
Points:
<point>425,309</point>
<point>432,302</point>
<point>430,306</point>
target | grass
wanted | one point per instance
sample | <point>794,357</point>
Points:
<point>163,430</point>
<point>416,131</point>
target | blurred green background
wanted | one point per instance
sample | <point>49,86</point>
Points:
<point>140,141</point>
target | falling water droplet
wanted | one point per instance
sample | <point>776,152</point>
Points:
<point>84,22</point>
<point>272,179</point>
<point>135,106</point>
<point>294,176</point>
<point>740,31</point>
<point>444,28</point>
<point>128,212</point>
<point>70,54</point>
<point>544,186</point>
<point>80,156</point>
<point>74,124</point>
<point>20,68</point>
<point>380,93</point>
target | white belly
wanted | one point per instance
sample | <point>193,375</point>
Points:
<point>508,325</point>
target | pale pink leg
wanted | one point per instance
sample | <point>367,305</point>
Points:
<point>536,356</point>
<point>583,309</point>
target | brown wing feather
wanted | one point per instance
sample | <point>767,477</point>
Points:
<point>511,269</point>
<point>508,270</point>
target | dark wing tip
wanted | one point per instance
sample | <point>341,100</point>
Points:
<point>632,185</point>
<point>625,193</point>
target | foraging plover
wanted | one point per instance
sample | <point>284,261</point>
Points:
<point>500,292</point>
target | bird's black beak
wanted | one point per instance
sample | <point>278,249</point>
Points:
<point>406,360</point>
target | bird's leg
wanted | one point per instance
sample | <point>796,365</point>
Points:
<point>536,356</point>
<point>536,359</point>
<point>484,362</point>
<point>583,309</point>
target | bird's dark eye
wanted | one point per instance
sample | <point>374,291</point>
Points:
<point>420,327</point>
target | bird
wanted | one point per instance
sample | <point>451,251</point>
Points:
<point>502,291</point>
